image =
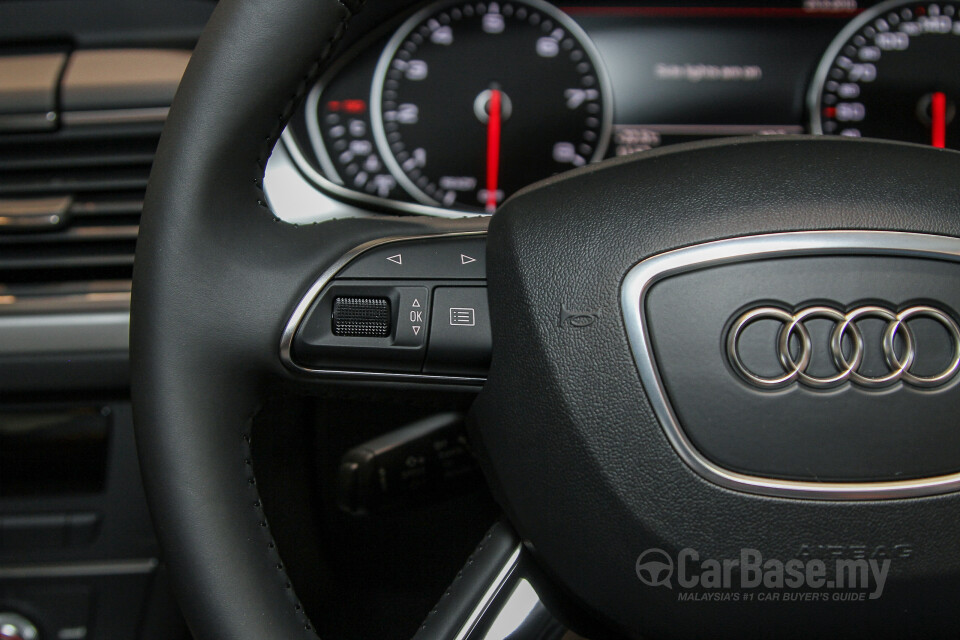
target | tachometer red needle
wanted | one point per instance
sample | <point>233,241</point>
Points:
<point>493,149</point>
<point>938,116</point>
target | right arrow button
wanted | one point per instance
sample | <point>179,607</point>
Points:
<point>449,258</point>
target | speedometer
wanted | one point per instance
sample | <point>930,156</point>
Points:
<point>893,73</point>
<point>474,100</point>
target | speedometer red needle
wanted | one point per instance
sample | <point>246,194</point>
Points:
<point>938,116</point>
<point>493,149</point>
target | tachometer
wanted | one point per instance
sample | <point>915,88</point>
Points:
<point>474,100</point>
<point>893,73</point>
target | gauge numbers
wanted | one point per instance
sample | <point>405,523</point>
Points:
<point>893,73</point>
<point>472,101</point>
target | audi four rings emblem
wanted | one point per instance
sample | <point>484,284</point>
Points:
<point>846,360</point>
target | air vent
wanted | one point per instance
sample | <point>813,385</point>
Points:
<point>70,203</point>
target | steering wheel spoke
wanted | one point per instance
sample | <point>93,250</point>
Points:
<point>409,308</point>
<point>495,597</point>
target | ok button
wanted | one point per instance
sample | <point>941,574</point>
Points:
<point>413,310</point>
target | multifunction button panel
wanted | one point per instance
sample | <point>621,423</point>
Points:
<point>412,306</point>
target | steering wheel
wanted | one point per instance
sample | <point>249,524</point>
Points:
<point>722,399</point>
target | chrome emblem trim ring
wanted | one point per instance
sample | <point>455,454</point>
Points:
<point>645,275</point>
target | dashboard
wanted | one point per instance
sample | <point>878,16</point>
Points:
<point>449,107</point>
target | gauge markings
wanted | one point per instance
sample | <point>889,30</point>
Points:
<point>892,73</point>
<point>433,98</point>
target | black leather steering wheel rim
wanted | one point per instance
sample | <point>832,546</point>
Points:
<point>206,222</point>
<point>235,61</point>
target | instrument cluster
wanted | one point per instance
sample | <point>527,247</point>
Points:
<point>454,105</point>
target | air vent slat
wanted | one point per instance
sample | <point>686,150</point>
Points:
<point>64,262</point>
<point>73,234</point>
<point>90,207</point>
<point>104,171</point>
<point>71,157</point>
<point>73,183</point>
<point>74,162</point>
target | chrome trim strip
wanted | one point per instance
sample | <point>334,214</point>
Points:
<point>520,615</point>
<point>286,338</point>
<point>114,116</point>
<point>339,193</point>
<point>17,304</point>
<point>296,200</point>
<point>508,568</point>
<point>64,333</point>
<point>20,122</point>
<point>647,273</point>
<point>331,185</point>
<point>79,569</point>
<point>34,214</point>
